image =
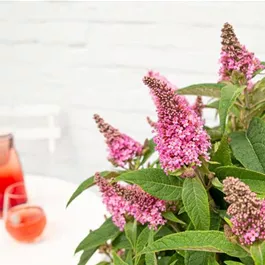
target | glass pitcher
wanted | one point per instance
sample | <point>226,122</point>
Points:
<point>10,167</point>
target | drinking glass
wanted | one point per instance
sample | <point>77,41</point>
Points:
<point>24,221</point>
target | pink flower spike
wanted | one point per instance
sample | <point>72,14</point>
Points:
<point>132,201</point>
<point>121,147</point>
<point>247,211</point>
<point>180,138</point>
<point>235,56</point>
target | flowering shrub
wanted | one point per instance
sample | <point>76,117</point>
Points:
<point>202,202</point>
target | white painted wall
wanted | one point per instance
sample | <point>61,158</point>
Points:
<point>90,57</point>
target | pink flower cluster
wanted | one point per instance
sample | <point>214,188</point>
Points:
<point>122,201</point>
<point>180,138</point>
<point>121,147</point>
<point>244,62</point>
<point>235,56</point>
<point>247,211</point>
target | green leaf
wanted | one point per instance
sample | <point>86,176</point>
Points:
<point>197,258</point>
<point>239,172</point>
<point>163,260</point>
<point>251,143</point>
<point>150,259</point>
<point>212,261</point>
<point>129,257</point>
<point>230,262</point>
<point>86,255</point>
<point>223,153</point>
<point>215,221</point>
<point>85,185</point>
<point>229,94</point>
<point>149,149</point>
<point>155,182</point>
<point>142,239</point>
<point>172,217</point>
<point>257,186</point>
<point>247,260</point>
<point>98,237</point>
<point>255,180</point>
<point>117,260</point>
<point>181,210</point>
<point>214,133</point>
<point>209,90</point>
<point>217,184</point>
<point>257,252</point>
<point>163,231</point>
<point>211,241</point>
<point>131,233</point>
<point>195,200</point>
<point>213,105</point>
<point>103,263</point>
<point>177,259</point>
<point>258,107</point>
<point>121,242</point>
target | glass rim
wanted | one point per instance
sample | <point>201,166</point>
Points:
<point>8,210</point>
<point>9,194</point>
<point>6,136</point>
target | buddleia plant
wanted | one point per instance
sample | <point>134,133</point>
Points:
<point>192,194</point>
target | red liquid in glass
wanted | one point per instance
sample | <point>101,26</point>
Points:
<point>25,223</point>
<point>10,168</point>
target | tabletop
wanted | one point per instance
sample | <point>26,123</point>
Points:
<point>66,227</point>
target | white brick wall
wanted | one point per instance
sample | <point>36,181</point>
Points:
<point>90,57</point>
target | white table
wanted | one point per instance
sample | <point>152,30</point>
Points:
<point>66,227</point>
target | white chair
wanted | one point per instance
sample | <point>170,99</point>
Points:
<point>51,132</point>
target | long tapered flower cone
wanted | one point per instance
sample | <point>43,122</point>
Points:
<point>121,147</point>
<point>246,210</point>
<point>235,57</point>
<point>180,138</point>
<point>130,200</point>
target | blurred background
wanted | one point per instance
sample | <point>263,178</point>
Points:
<point>61,62</point>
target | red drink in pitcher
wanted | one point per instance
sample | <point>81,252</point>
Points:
<point>10,168</point>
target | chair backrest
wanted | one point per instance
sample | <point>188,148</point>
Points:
<point>50,131</point>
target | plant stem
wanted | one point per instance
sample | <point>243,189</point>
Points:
<point>239,104</point>
<point>109,256</point>
<point>259,102</point>
<point>137,164</point>
<point>246,99</point>
<point>233,122</point>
